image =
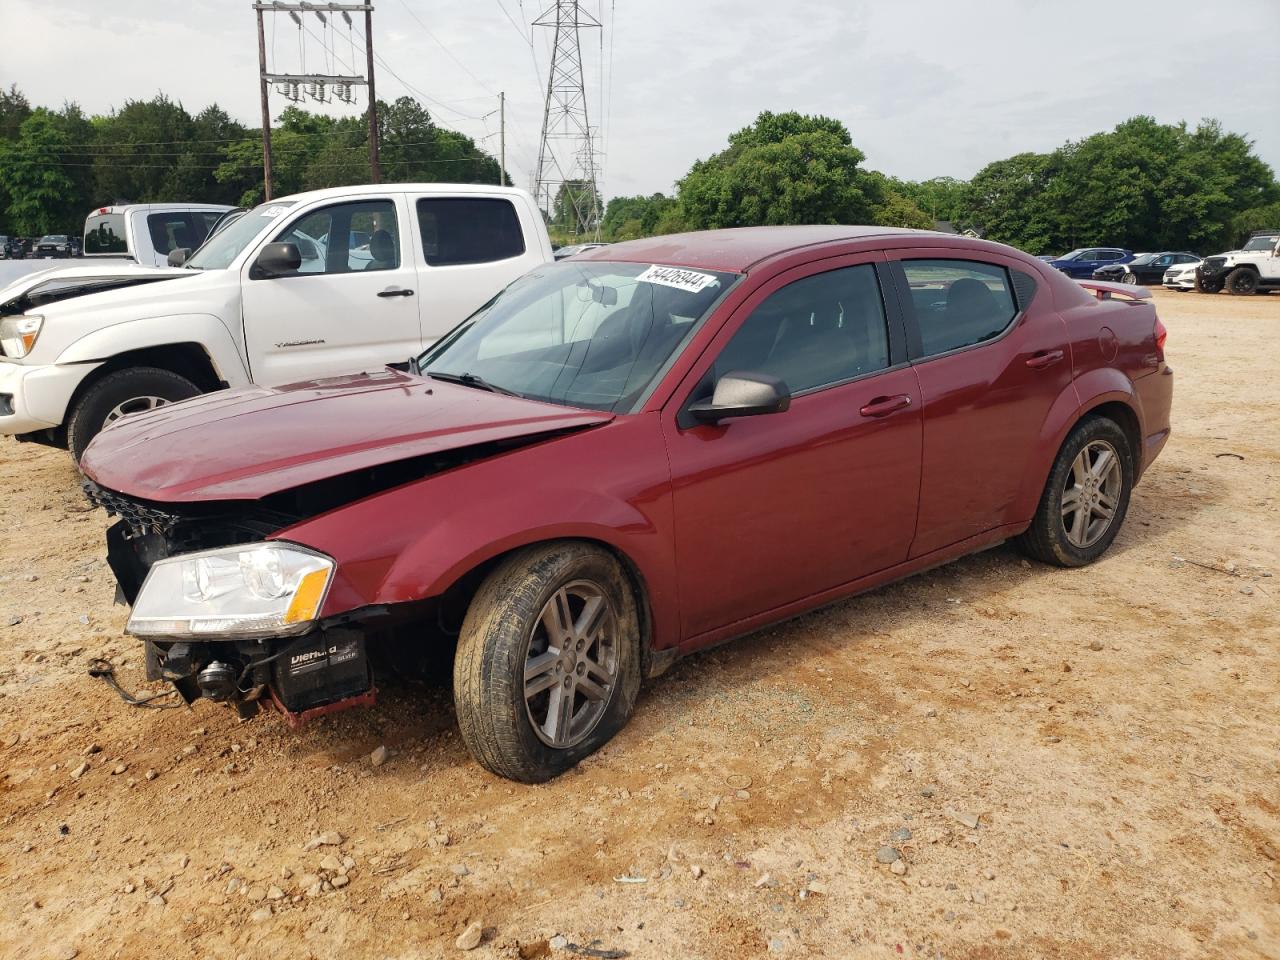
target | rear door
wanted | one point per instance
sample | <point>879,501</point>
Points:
<point>775,508</point>
<point>351,307</point>
<point>992,358</point>
<point>468,249</point>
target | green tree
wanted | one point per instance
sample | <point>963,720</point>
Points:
<point>626,218</point>
<point>784,168</point>
<point>35,179</point>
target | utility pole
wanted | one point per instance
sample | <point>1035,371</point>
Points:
<point>502,139</point>
<point>266,112</point>
<point>317,86</point>
<point>374,168</point>
<point>571,166</point>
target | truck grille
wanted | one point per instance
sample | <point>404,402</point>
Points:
<point>1214,263</point>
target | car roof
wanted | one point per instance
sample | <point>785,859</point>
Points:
<point>381,189</point>
<point>736,249</point>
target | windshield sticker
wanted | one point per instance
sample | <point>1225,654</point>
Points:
<point>274,211</point>
<point>686,280</point>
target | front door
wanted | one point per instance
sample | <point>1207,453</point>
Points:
<point>775,508</point>
<point>350,307</point>
<point>992,358</point>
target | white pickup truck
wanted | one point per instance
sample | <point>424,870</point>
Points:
<point>146,232</point>
<point>310,286</point>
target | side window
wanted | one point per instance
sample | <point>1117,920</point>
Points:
<point>172,230</point>
<point>346,238</point>
<point>958,302</point>
<point>814,332</point>
<point>1163,261</point>
<point>458,230</point>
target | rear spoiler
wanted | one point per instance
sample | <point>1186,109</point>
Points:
<point>1105,291</point>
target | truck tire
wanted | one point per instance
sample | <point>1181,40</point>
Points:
<point>1085,498</point>
<point>1242,282</point>
<point>1208,286</point>
<point>547,668</point>
<point>131,390</point>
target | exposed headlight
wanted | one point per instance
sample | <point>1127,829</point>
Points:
<point>18,334</point>
<point>254,590</point>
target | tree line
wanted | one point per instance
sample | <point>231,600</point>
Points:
<point>1143,185</point>
<point>57,165</point>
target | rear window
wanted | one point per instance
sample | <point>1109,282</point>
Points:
<point>104,233</point>
<point>459,230</point>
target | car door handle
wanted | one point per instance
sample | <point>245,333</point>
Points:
<point>1045,358</point>
<point>395,292</point>
<point>883,406</point>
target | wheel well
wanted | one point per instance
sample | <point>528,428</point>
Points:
<point>185,359</point>
<point>1122,415</point>
<point>1251,267</point>
<point>457,598</point>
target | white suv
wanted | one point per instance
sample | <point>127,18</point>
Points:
<point>310,286</point>
<point>1254,268</point>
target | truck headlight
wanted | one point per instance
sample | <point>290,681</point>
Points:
<point>254,590</point>
<point>18,334</point>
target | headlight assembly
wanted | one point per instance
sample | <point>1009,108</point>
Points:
<point>18,334</point>
<point>254,590</point>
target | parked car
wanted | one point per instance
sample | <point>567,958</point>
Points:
<point>18,247</point>
<point>1255,268</point>
<point>1081,263</point>
<point>572,250</point>
<point>54,245</point>
<point>4,247</point>
<point>1145,267</point>
<point>146,232</point>
<point>626,457</point>
<point>269,300</point>
<point>1181,277</point>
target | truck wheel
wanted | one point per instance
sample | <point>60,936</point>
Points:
<point>1208,286</point>
<point>132,390</point>
<point>1085,498</point>
<point>1242,282</point>
<point>548,662</point>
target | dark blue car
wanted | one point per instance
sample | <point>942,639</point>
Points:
<point>1081,263</point>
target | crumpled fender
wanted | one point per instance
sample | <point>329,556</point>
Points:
<point>203,329</point>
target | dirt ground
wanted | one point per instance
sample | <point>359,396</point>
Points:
<point>1114,730</point>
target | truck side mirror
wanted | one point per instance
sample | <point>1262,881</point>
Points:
<point>178,256</point>
<point>276,260</point>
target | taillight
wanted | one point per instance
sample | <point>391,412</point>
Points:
<point>1161,336</point>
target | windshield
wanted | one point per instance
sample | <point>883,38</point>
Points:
<point>1143,260</point>
<point>54,238</point>
<point>225,245</point>
<point>1072,255</point>
<point>581,333</point>
<point>1262,243</point>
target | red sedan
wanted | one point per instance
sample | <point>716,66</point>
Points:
<point>625,457</point>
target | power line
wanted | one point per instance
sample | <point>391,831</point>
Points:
<point>448,52</point>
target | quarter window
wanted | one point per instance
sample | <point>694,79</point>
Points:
<point>457,230</point>
<point>346,238</point>
<point>814,332</point>
<point>958,302</point>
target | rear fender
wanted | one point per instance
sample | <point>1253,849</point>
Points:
<point>203,329</point>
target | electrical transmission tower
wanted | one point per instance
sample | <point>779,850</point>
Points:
<point>566,152</point>
<point>317,86</point>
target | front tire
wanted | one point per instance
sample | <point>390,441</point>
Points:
<point>133,390</point>
<point>1242,282</point>
<point>1085,498</point>
<point>548,662</point>
<point>1208,286</point>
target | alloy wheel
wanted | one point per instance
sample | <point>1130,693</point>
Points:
<point>571,668</point>
<point>1130,278</point>
<point>1092,493</point>
<point>133,405</point>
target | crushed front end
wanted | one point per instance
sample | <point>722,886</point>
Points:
<point>228,614</point>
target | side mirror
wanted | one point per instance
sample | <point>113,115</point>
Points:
<point>743,394</point>
<point>178,256</point>
<point>277,260</point>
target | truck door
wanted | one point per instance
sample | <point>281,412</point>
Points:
<point>350,307</point>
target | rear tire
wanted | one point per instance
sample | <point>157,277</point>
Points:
<point>1068,528</point>
<point>1242,282</point>
<point>126,391</point>
<point>552,625</point>
<point>1130,278</point>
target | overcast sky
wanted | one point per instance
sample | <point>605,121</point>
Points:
<point>926,87</point>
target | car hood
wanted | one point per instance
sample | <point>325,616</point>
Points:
<point>81,280</point>
<point>251,443</point>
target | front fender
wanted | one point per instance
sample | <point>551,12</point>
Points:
<point>129,335</point>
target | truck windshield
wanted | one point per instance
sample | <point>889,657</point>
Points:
<point>227,244</point>
<point>580,333</point>
<point>1262,243</point>
<point>104,233</point>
